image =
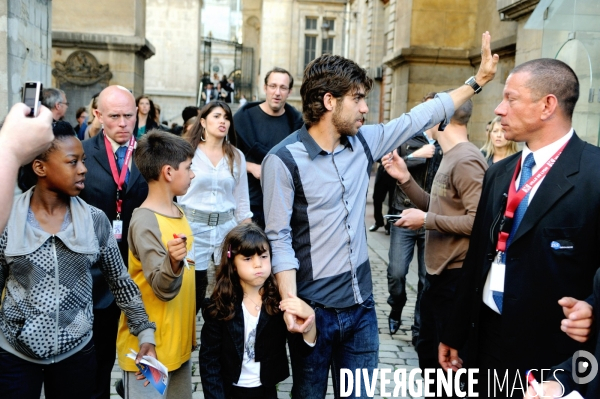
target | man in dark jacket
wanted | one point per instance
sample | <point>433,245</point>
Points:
<point>117,112</point>
<point>262,125</point>
<point>422,156</point>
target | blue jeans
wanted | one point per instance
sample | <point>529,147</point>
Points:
<point>347,338</point>
<point>72,377</point>
<point>402,246</point>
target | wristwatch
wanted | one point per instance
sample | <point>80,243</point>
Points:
<point>471,82</point>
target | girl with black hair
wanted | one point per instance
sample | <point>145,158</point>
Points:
<point>51,241</point>
<point>242,353</point>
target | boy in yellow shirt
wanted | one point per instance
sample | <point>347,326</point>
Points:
<point>159,238</point>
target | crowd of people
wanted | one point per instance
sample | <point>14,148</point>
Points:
<point>106,250</point>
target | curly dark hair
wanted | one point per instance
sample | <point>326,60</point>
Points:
<point>246,239</point>
<point>329,74</point>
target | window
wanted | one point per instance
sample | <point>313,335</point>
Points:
<point>329,25</point>
<point>311,23</point>
<point>327,46</point>
<point>328,32</point>
<point>310,49</point>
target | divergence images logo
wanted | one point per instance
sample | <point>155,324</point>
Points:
<point>584,367</point>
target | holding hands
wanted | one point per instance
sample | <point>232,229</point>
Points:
<point>299,317</point>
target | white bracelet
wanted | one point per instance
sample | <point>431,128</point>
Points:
<point>425,220</point>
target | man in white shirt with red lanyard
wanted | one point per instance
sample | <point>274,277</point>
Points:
<point>535,244</point>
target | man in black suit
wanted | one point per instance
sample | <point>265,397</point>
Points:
<point>515,302</point>
<point>117,113</point>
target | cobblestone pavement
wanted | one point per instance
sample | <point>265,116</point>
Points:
<point>394,351</point>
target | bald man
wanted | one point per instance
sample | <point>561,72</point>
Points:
<point>116,111</point>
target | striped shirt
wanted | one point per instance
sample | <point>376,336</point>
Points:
<point>314,203</point>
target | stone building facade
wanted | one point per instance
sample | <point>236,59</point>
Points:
<point>172,75</point>
<point>411,47</point>
<point>96,44</point>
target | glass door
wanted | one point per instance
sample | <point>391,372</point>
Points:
<point>571,33</point>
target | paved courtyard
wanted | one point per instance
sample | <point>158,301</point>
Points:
<point>394,351</point>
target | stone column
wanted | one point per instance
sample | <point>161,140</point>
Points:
<point>25,47</point>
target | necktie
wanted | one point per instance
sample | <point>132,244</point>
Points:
<point>120,153</point>
<point>528,164</point>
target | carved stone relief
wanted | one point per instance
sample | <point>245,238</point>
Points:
<point>82,69</point>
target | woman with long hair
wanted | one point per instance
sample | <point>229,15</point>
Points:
<point>145,116</point>
<point>218,198</point>
<point>93,124</point>
<point>497,147</point>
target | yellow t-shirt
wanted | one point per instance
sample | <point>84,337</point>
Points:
<point>169,299</point>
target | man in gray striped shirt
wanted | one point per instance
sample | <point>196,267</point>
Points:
<point>315,187</point>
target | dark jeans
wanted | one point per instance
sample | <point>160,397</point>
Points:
<point>348,338</point>
<point>402,248</point>
<point>72,377</point>
<point>106,326</point>
<point>253,393</point>
<point>201,284</point>
<point>384,184</point>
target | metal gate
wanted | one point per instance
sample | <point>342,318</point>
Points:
<point>232,59</point>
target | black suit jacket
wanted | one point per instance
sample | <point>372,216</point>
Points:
<point>101,191</point>
<point>222,351</point>
<point>565,210</point>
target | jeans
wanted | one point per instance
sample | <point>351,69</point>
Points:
<point>347,338</point>
<point>260,392</point>
<point>402,246</point>
<point>72,377</point>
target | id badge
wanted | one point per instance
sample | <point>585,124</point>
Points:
<point>117,229</point>
<point>497,275</point>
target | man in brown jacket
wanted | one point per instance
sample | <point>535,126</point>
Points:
<point>447,214</point>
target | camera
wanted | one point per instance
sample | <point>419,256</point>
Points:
<point>32,97</point>
<point>392,218</point>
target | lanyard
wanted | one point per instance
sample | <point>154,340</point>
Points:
<point>515,197</point>
<point>119,179</point>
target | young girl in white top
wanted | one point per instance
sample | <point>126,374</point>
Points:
<point>242,353</point>
<point>218,198</point>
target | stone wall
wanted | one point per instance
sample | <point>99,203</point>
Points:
<point>24,48</point>
<point>251,31</point>
<point>172,76</point>
<point>113,32</point>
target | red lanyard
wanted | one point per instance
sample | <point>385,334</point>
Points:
<point>119,179</point>
<point>515,198</point>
